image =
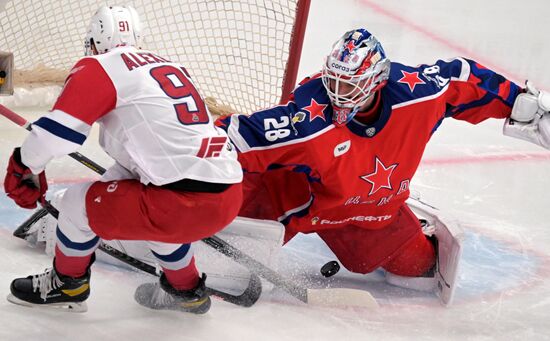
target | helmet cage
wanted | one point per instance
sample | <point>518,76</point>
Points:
<point>355,69</point>
<point>348,92</point>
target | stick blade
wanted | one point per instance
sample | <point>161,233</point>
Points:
<point>247,299</point>
<point>342,297</point>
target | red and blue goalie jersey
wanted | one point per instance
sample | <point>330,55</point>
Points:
<point>318,176</point>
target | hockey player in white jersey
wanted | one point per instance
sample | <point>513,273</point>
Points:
<point>176,178</point>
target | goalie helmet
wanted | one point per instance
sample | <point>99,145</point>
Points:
<point>111,27</point>
<point>353,71</point>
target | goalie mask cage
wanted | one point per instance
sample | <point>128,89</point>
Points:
<point>243,53</point>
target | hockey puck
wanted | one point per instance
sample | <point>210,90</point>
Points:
<point>330,269</point>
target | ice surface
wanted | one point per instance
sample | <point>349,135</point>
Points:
<point>497,187</point>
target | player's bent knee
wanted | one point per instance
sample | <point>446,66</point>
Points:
<point>73,220</point>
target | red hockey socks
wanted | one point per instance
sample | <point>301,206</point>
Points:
<point>71,266</point>
<point>183,279</point>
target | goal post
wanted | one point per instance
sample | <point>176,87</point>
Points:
<point>295,49</point>
<point>243,53</point>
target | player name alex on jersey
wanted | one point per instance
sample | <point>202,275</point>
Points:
<point>137,59</point>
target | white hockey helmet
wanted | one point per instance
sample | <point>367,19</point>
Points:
<point>111,27</point>
<point>356,67</point>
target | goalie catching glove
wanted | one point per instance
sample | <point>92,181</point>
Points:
<point>530,118</point>
<point>21,185</point>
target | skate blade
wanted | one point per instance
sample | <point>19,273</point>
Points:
<point>73,307</point>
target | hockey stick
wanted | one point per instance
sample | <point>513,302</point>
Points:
<point>250,295</point>
<point>330,296</point>
<point>20,121</point>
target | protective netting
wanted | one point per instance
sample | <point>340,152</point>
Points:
<point>235,50</point>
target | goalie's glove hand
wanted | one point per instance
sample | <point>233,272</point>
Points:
<point>21,185</point>
<point>530,117</point>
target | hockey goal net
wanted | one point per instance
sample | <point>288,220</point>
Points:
<point>242,53</point>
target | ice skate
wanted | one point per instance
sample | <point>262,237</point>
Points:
<point>51,290</point>
<point>162,296</point>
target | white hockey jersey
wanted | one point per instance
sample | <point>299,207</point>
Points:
<point>152,120</point>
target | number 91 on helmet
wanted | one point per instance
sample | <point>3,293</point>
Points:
<point>354,70</point>
<point>111,27</point>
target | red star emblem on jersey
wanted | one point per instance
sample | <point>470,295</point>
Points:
<point>411,79</point>
<point>350,46</point>
<point>316,110</point>
<point>380,178</point>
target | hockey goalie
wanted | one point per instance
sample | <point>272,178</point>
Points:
<point>338,158</point>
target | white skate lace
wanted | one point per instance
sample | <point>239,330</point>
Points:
<point>45,282</point>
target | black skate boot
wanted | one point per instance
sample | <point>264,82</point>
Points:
<point>52,290</point>
<point>162,295</point>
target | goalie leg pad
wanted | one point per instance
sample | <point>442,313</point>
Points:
<point>42,231</point>
<point>260,239</point>
<point>449,236</point>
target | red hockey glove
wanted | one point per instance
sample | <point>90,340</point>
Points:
<point>21,185</point>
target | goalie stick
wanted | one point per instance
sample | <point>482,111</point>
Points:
<point>327,296</point>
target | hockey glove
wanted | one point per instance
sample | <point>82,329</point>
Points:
<point>530,117</point>
<point>21,185</point>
